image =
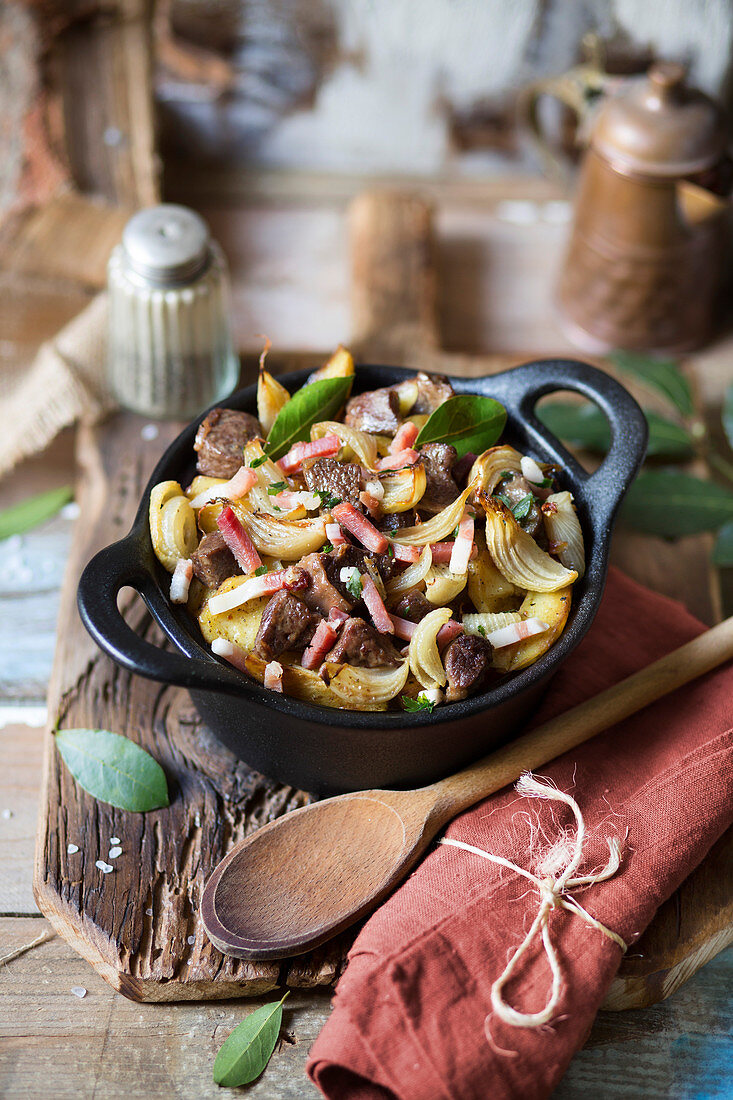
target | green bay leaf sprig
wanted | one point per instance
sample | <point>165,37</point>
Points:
<point>662,375</point>
<point>113,769</point>
<point>29,513</point>
<point>584,425</point>
<point>670,504</point>
<point>309,405</point>
<point>467,421</point>
<point>246,1051</point>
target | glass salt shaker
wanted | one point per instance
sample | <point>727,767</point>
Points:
<point>170,350</point>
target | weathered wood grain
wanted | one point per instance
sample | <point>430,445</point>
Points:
<point>106,1046</point>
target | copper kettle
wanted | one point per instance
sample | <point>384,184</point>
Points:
<point>648,244</point>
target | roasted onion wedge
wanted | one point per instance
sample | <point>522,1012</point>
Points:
<point>366,687</point>
<point>268,474</point>
<point>551,608</point>
<point>489,467</point>
<point>286,539</point>
<point>340,365</point>
<point>302,683</point>
<point>425,661</point>
<point>438,527</point>
<point>402,488</point>
<point>411,578</point>
<point>564,531</point>
<point>172,524</point>
<point>442,586</point>
<point>517,556</point>
<point>271,398</point>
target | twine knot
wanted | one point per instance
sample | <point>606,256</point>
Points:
<point>553,891</point>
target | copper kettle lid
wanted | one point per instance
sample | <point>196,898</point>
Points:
<point>660,126</point>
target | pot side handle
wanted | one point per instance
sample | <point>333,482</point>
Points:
<point>521,388</point>
<point>119,566</point>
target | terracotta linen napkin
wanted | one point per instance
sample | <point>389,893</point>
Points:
<point>409,1013</point>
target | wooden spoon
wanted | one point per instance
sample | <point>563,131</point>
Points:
<point>301,879</point>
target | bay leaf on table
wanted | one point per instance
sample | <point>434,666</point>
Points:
<point>244,1054</point>
<point>114,769</point>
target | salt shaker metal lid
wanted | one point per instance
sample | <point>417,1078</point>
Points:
<point>170,349</point>
<point>167,244</point>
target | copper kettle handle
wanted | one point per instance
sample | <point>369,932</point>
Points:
<point>581,89</point>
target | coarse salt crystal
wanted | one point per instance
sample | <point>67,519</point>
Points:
<point>114,853</point>
<point>79,991</point>
<point>191,940</point>
<point>115,840</point>
<point>72,849</point>
<point>148,912</point>
<point>105,868</point>
<point>71,510</point>
<point>149,431</point>
<point>7,814</point>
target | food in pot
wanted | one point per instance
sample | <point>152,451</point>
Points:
<point>378,552</point>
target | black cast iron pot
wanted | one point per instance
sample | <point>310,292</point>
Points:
<point>328,751</point>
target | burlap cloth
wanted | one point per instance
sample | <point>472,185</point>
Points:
<point>63,384</point>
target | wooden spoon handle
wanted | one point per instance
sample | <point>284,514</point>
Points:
<point>577,725</point>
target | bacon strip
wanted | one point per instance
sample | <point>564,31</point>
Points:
<point>375,605</point>
<point>442,551</point>
<point>181,579</point>
<point>322,641</point>
<point>336,617</point>
<point>397,461</point>
<point>238,541</point>
<point>410,554</point>
<point>287,500</point>
<point>360,527</point>
<point>299,452</point>
<point>335,535</point>
<point>370,503</point>
<point>403,628</point>
<point>230,652</point>
<point>516,632</point>
<point>463,546</point>
<point>273,678</point>
<point>237,486</point>
<point>405,438</point>
<point>255,587</point>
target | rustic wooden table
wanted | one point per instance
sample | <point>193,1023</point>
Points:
<point>106,1046</point>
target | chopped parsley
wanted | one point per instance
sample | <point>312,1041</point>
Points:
<point>482,630</point>
<point>260,570</point>
<point>257,462</point>
<point>545,483</point>
<point>276,508</point>
<point>523,507</point>
<point>507,473</point>
<point>421,703</point>
<point>354,585</point>
<point>326,548</point>
<point>390,551</point>
<point>328,501</point>
<point>276,487</point>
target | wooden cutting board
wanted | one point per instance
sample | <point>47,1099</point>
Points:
<point>139,924</point>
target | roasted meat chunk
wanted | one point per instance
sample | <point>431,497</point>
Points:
<point>432,391</point>
<point>467,663</point>
<point>414,607</point>
<point>338,480</point>
<point>320,594</point>
<point>377,411</point>
<point>348,556</point>
<point>220,440</point>
<point>395,521</point>
<point>360,644</point>
<point>286,624</point>
<point>441,488</point>
<point>213,561</point>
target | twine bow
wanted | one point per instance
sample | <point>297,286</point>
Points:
<point>553,895</point>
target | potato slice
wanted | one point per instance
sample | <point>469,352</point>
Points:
<point>552,608</point>
<point>240,625</point>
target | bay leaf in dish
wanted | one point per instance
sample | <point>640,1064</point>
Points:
<point>244,1054</point>
<point>113,769</point>
<point>467,421</point>
<point>309,405</point>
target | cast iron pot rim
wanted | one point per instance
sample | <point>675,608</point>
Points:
<point>597,496</point>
